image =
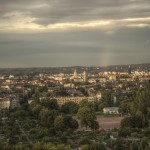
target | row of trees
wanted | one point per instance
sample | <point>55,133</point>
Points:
<point>87,116</point>
<point>36,146</point>
<point>139,110</point>
<point>50,116</point>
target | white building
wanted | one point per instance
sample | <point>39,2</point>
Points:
<point>111,110</point>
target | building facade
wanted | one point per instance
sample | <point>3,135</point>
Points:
<point>63,100</point>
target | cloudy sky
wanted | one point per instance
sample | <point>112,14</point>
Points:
<point>74,32</point>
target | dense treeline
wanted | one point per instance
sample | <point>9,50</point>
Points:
<point>45,125</point>
<point>138,110</point>
<point>44,122</point>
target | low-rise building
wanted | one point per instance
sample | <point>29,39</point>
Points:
<point>111,110</point>
<point>14,102</point>
<point>4,103</point>
<point>9,102</point>
<point>62,100</point>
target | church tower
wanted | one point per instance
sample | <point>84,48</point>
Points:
<point>75,74</point>
<point>85,76</point>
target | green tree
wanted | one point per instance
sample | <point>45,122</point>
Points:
<point>59,123</point>
<point>107,99</point>
<point>85,147</point>
<point>95,125</point>
<point>49,146</point>
<point>70,108</point>
<point>144,143</point>
<point>134,146</point>
<point>47,117</point>
<point>70,122</point>
<point>84,141</point>
<point>97,146</point>
<point>84,103</point>
<point>132,122</point>
<point>36,109</point>
<point>140,107</point>
<point>119,144</point>
<point>50,104</point>
<point>87,116</point>
<point>93,146</point>
<point>124,107</point>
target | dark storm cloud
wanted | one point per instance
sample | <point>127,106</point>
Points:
<point>86,10</point>
<point>123,39</point>
<point>58,11</point>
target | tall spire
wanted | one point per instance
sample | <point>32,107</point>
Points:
<point>75,73</point>
<point>85,76</point>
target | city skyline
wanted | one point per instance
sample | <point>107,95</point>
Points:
<point>55,33</point>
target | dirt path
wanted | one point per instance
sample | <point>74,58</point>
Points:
<point>109,122</point>
<point>24,133</point>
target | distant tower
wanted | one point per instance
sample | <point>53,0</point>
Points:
<point>75,73</point>
<point>129,70</point>
<point>85,76</point>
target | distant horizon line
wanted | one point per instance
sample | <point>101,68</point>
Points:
<point>73,66</point>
